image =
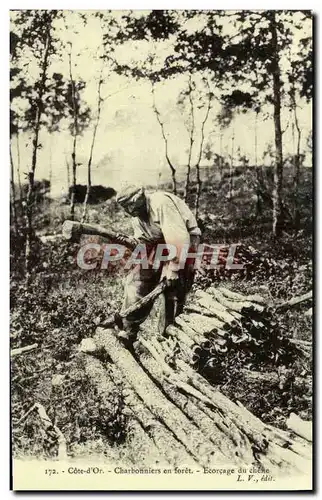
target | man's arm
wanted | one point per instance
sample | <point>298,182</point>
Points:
<point>175,233</point>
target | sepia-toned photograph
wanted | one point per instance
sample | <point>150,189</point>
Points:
<point>161,224</point>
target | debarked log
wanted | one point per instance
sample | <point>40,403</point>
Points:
<point>218,428</point>
<point>191,410</point>
<point>167,446</point>
<point>258,433</point>
<point>239,297</point>
<point>165,411</point>
<point>238,306</point>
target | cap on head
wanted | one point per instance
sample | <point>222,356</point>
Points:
<point>129,195</point>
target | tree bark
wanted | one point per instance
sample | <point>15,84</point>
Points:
<point>207,422</point>
<point>50,165</point>
<point>211,428</point>
<point>264,437</point>
<point>221,163</point>
<point>68,174</point>
<point>259,172</point>
<point>239,297</point>
<point>278,170</point>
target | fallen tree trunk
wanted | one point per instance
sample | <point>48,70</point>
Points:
<point>262,436</point>
<point>217,320</point>
<point>181,427</point>
<point>238,306</point>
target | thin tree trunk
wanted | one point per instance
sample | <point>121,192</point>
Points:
<point>68,173</point>
<point>258,170</point>
<point>18,175</point>
<point>165,139</point>
<point>89,165</point>
<point>230,193</point>
<point>221,165</point>
<point>13,194</point>
<point>75,133</point>
<point>50,167</point>
<point>197,165</point>
<point>191,141</point>
<point>255,134</point>
<point>31,173</point>
<point>278,170</point>
<point>297,162</point>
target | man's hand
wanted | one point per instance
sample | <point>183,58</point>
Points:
<point>171,276</point>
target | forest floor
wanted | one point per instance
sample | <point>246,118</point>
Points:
<point>59,307</point>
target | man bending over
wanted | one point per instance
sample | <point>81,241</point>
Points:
<point>158,218</point>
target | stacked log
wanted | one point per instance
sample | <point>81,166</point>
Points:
<point>187,419</point>
<point>216,319</point>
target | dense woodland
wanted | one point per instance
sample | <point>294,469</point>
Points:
<point>229,64</point>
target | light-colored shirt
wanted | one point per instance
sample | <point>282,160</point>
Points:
<point>169,218</point>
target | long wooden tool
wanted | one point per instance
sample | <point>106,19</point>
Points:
<point>116,319</point>
<point>72,230</point>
